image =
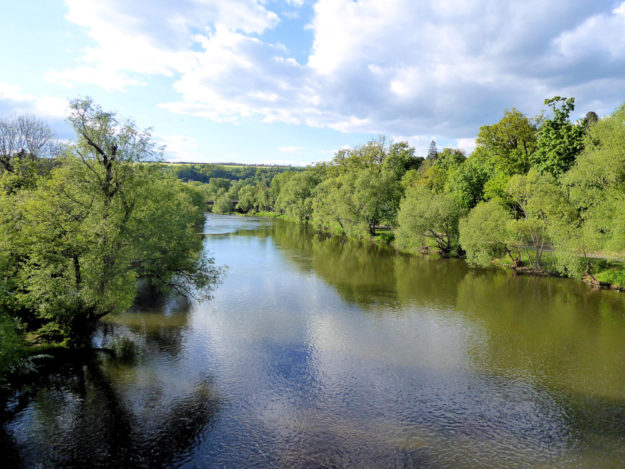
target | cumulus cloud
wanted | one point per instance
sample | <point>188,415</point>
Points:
<point>151,38</point>
<point>179,148</point>
<point>13,98</point>
<point>397,67</point>
<point>14,101</point>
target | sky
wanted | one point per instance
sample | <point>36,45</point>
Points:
<point>293,81</point>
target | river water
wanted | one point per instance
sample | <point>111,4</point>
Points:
<point>318,352</point>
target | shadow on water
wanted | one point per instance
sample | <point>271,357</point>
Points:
<point>113,410</point>
<point>77,418</point>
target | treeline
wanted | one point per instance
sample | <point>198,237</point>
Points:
<point>204,172</point>
<point>83,224</point>
<point>534,188</point>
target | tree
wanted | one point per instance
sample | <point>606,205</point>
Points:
<point>601,166</point>
<point>247,198</point>
<point>484,233</point>
<point>400,158</point>
<point>373,197</point>
<point>25,137</point>
<point>433,174</point>
<point>510,143</point>
<point>559,141</point>
<point>329,210</point>
<point>540,203</point>
<point>296,196</point>
<point>432,151</point>
<point>362,187</point>
<point>596,192</point>
<point>425,215</point>
<point>78,240</point>
<point>11,344</point>
<point>467,181</point>
<point>223,203</point>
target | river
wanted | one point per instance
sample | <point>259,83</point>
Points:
<point>320,352</point>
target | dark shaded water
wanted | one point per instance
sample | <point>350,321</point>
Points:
<point>321,353</point>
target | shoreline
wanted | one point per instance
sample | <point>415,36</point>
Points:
<point>499,264</point>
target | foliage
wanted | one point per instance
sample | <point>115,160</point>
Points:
<point>467,182</point>
<point>76,239</point>
<point>484,233</point>
<point>510,143</point>
<point>295,199</point>
<point>205,172</point>
<point>559,141</point>
<point>11,344</point>
<point>424,215</point>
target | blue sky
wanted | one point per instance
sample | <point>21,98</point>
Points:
<point>292,81</point>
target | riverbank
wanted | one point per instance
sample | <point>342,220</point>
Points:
<point>608,271</point>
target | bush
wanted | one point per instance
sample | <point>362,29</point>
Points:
<point>614,277</point>
<point>386,237</point>
<point>483,233</point>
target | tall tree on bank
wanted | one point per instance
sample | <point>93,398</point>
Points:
<point>82,236</point>
<point>559,140</point>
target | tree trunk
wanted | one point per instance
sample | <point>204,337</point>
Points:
<point>77,274</point>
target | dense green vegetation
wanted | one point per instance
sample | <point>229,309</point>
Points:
<point>543,194</point>
<point>81,226</point>
<point>204,172</point>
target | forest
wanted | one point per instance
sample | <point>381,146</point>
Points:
<point>538,194</point>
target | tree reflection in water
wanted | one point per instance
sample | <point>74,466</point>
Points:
<point>113,411</point>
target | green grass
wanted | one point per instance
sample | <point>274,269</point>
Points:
<point>612,272</point>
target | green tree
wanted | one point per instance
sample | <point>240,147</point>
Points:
<point>78,240</point>
<point>596,189</point>
<point>11,345</point>
<point>540,203</point>
<point>484,233</point>
<point>296,196</point>
<point>247,198</point>
<point>330,211</point>
<point>425,215</point>
<point>559,141</point>
<point>223,203</point>
<point>510,143</point>
<point>467,181</point>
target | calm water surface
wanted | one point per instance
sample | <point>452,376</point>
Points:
<point>321,353</point>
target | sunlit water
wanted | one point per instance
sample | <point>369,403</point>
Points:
<point>316,352</point>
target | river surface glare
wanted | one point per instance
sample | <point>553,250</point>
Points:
<point>319,352</point>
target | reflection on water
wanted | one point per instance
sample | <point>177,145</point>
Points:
<point>320,352</point>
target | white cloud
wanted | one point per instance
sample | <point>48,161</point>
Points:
<point>466,144</point>
<point>598,39</point>
<point>12,97</point>
<point>179,148</point>
<point>398,67</point>
<point>151,38</point>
